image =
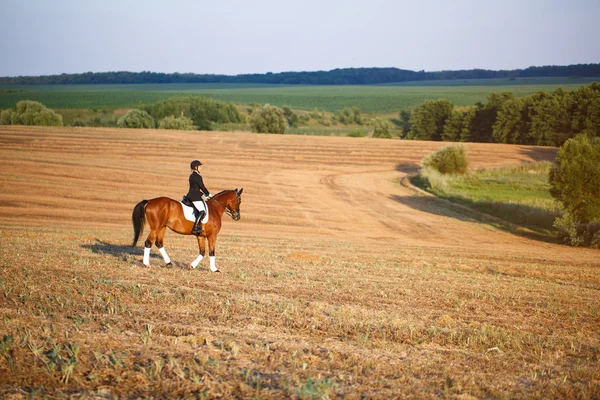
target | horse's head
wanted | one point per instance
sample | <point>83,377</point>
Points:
<point>231,200</point>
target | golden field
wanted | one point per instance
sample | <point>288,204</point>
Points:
<point>338,281</point>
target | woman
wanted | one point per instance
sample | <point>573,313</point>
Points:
<point>197,190</point>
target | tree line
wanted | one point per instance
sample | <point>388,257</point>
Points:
<point>342,76</point>
<point>543,119</point>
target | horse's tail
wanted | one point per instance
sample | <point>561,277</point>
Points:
<point>139,219</point>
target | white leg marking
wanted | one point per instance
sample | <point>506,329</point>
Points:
<point>213,262</point>
<point>197,261</point>
<point>165,255</point>
<point>147,256</point>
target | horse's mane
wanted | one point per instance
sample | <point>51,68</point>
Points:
<point>223,192</point>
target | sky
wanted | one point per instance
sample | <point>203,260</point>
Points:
<point>230,37</point>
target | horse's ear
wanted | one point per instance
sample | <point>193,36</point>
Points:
<point>240,192</point>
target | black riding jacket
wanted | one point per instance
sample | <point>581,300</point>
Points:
<point>196,188</point>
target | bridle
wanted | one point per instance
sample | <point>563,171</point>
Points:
<point>234,214</point>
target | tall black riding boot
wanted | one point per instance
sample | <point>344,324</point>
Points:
<point>197,229</point>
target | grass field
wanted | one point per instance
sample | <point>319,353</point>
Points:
<point>337,282</point>
<point>370,99</point>
<point>518,194</point>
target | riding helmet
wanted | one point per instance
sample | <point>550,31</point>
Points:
<point>195,164</point>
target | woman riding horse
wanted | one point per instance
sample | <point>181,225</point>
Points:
<point>162,212</point>
<point>197,190</point>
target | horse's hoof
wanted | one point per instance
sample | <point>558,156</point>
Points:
<point>215,271</point>
<point>169,265</point>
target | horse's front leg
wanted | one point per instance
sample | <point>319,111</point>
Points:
<point>212,240</point>
<point>201,250</point>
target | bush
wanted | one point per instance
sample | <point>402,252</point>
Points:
<point>136,119</point>
<point>203,112</point>
<point>448,160</point>
<point>575,182</point>
<point>577,233</point>
<point>5,117</point>
<point>356,133</point>
<point>381,129</point>
<point>268,119</point>
<point>293,121</point>
<point>349,115</point>
<point>34,113</point>
<point>181,123</point>
<point>287,111</point>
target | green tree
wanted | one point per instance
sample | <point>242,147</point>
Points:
<point>427,120</point>
<point>454,126</point>
<point>136,119</point>
<point>268,119</point>
<point>547,118</point>
<point>480,120</point>
<point>575,182</point>
<point>30,112</point>
<point>583,107</point>
<point>575,179</point>
<point>509,126</point>
<point>404,122</point>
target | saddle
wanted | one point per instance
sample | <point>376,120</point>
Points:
<point>185,202</point>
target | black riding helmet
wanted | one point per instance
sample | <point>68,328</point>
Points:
<point>195,164</point>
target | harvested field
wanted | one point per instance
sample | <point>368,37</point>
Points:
<point>338,282</point>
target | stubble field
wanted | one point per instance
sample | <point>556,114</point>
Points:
<point>338,282</point>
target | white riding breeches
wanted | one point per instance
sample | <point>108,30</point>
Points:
<point>200,205</point>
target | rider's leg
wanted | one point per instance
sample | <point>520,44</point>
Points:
<point>197,229</point>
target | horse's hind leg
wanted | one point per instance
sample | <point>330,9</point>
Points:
<point>148,245</point>
<point>201,249</point>
<point>159,243</point>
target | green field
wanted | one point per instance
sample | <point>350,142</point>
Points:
<point>370,99</point>
<point>520,195</point>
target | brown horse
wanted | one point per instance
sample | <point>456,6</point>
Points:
<point>162,213</point>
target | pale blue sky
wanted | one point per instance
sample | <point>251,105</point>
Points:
<point>42,37</point>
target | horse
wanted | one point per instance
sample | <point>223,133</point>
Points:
<point>162,212</point>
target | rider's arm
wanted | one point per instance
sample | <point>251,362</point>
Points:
<point>203,188</point>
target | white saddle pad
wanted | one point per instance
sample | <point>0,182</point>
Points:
<point>188,213</point>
